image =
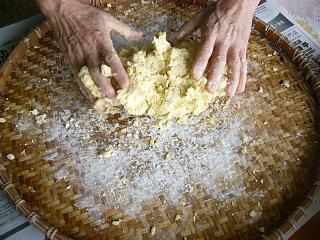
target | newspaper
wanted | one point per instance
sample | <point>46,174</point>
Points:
<point>15,227</point>
<point>270,14</point>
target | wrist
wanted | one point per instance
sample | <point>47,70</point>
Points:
<point>51,7</point>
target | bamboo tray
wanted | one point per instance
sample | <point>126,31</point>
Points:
<point>283,166</point>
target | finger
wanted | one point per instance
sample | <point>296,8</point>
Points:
<point>243,72</point>
<point>111,58</point>
<point>123,29</point>
<point>216,67</point>
<point>84,90</point>
<point>102,82</point>
<point>203,56</point>
<point>188,27</point>
<point>233,61</point>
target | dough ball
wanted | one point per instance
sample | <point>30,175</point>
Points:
<point>162,85</point>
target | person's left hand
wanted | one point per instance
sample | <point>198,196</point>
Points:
<point>225,28</point>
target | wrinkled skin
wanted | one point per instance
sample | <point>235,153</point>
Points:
<point>83,34</point>
<point>225,27</point>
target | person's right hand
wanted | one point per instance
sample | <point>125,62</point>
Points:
<point>83,34</point>
<point>225,27</point>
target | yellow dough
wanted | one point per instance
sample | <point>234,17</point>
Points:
<point>162,85</point>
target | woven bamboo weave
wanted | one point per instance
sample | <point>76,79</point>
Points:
<point>286,166</point>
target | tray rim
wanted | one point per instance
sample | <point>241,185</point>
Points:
<point>309,207</point>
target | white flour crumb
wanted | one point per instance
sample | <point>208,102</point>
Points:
<point>25,123</point>
<point>10,157</point>
<point>35,112</point>
<point>41,119</point>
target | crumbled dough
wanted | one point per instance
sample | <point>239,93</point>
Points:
<point>162,85</point>
<point>211,121</point>
<point>245,139</point>
<point>285,83</point>
<point>106,153</point>
<point>41,119</point>
<point>10,157</point>
<point>253,214</point>
<point>153,230</point>
<point>177,218</point>
<point>167,156</point>
<point>116,222</point>
<point>35,112</point>
<point>152,142</point>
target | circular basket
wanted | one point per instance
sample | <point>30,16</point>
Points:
<point>284,167</point>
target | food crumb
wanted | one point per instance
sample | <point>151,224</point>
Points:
<point>152,141</point>
<point>41,119</point>
<point>244,150</point>
<point>167,156</point>
<point>35,112</point>
<point>260,90</point>
<point>195,215</point>
<point>106,153</point>
<point>244,139</point>
<point>253,214</point>
<point>153,230</point>
<point>285,83</point>
<point>262,229</point>
<point>211,121</point>
<point>177,218</point>
<point>10,157</point>
<point>116,222</point>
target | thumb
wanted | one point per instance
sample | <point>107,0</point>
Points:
<point>123,29</point>
<point>188,27</point>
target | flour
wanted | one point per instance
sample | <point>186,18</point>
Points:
<point>137,172</point>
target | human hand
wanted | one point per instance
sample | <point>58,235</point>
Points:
<point>83,34</point>
<point>225,29</point>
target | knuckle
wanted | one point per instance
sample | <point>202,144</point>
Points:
<point>219,57</point>
<point>110,91</point>
<point>235,62</point>
<point>110,56</point>
<point>206,46</point>
<point>223,44</point>
<point>92,65</point>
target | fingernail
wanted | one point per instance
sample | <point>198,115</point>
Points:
<point>211,88</point>
<point>126,84</point>
<point>174,37</point>
<point>197,72</point>
<point>115,102</point>
<point>231,92</point>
